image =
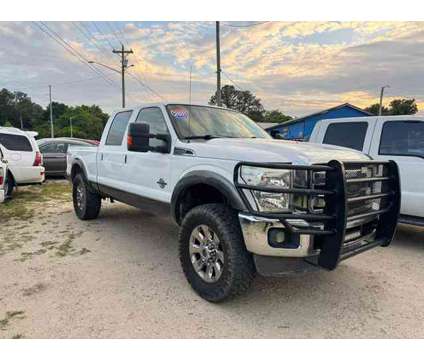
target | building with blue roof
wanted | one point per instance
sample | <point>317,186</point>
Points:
<point>301,128</point>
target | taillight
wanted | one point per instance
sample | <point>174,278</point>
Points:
<point>1,176</point>
<point>38,159</point>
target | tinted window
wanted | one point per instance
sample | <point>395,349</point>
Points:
<point>194,120</point>
<point>351,135</point>
<point>118,127</point>
<point>404,138</point>
<point>154,117</point>
<point>48,148</point>
<point>15,142</point>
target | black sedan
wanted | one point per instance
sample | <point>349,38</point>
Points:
<point>54,153</point>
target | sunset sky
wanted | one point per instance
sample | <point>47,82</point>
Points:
<point>297,67</point>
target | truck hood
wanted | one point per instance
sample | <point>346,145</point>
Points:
<point>271,150</point>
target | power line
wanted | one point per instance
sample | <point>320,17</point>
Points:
<point>91,41</point>
<point>137,60</point>
<point>57,38</point>
<point>226,75</point>
<point>144,85</point>
<point>102,33</point>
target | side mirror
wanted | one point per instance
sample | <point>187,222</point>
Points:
<point>139,139</point>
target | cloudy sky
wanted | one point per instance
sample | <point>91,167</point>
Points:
<point>297,67</point>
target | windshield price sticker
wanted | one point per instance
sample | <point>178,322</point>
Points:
<point>180,113</point>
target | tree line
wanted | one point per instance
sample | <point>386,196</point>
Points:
<point>247,103</point>
<point>18,110</point>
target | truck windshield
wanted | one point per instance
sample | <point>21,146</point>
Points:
<point>193,121</point>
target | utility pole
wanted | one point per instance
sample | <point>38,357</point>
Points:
<point>70,123</point>
<point>124,65</point>
<point>218,67</point>
<point>189,91</point>
<point>380,109</point>
<point>51,112</point>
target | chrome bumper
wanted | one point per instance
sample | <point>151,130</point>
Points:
<point>255,232</point>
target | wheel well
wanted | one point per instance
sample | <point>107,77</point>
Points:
<point>9,175</point>
<point>76,169</point>
<point>196,195</point>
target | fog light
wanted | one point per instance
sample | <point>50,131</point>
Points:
<point>281,238</point>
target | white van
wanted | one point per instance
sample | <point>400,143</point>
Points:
<point>24,159</point>
<point>399,138</point>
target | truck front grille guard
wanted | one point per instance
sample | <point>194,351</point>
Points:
<point>347,211</point>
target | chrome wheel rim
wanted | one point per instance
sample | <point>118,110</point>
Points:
<point>206,254</point>
<point>80,194</point>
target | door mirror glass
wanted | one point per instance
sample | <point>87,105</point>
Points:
<point>139,139</point>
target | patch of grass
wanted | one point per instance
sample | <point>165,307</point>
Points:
<point>9,316</point>
<point>65,248</point>
<point>24,199</point>
<point>28,255</point>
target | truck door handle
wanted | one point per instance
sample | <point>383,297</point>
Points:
<point>125,159</point>
<point>101,156</point>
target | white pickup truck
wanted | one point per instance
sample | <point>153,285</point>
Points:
<point>399,138</point>
<point>245,203</point>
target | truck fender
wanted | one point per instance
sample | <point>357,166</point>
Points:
<point>210,178</point>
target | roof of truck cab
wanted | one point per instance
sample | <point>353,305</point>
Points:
<point>169,103</point>
<point>384,117</point>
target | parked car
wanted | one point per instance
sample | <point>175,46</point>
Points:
<point>399,138</point>
<point>54,153</point>
<point>3,173</point>
<point>244,201</point>
<point>25,163</point>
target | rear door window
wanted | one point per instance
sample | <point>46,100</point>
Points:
<point>402,138</point>
<point>48,148</point>
<point>15,142</point>
<point>118,127</point>
<point>348,134</point>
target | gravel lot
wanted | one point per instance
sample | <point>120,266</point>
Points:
<point>119,277</point>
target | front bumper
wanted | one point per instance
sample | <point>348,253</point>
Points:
<point>344,228</point>
<point>1,195</point>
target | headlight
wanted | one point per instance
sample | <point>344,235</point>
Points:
<point>270,178</point>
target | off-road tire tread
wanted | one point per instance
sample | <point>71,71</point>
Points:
<point>240,269</point>
<point>93,200</point>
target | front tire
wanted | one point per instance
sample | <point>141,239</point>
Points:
<point>86,202</point>
<point>212,252</point>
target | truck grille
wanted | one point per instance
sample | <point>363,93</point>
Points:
<point>349,207</point>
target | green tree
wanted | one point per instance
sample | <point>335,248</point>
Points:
<point>276,116</point>
<point>403,107</point>
<point>243,101</point>
<point>396,107</point>
<point>373,109</point>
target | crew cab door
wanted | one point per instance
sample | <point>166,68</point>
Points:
<point>54,157</point>
<point>148,173</point>
<point>112,151</point>
<point>403,141</point>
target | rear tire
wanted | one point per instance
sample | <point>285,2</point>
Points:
<point>9,185</point>
<point>87,203</point>
<point>236,270</point>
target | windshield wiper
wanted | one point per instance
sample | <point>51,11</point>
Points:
<point>203,137</point>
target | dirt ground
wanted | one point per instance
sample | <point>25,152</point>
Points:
<point>119,277</point>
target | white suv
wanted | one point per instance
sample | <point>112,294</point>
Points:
<point>24,159</point>
<point>3,172</point>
